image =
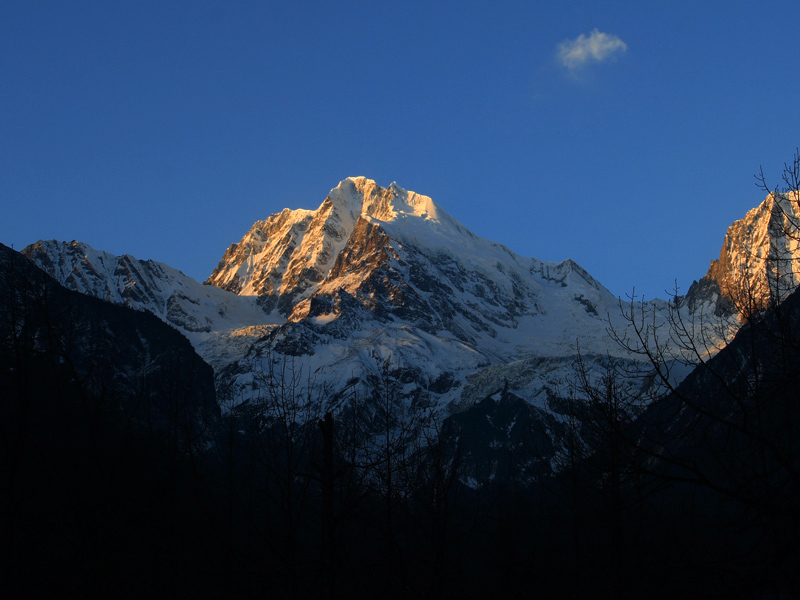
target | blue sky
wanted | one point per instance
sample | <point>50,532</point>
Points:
<point>623,135</point>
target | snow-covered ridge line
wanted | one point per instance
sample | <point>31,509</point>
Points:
<point>202,313</point>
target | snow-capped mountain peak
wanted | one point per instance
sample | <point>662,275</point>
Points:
<point>385,246</point>
<point>363,197</point>
<point>288,255</point>
<point>387,270</point>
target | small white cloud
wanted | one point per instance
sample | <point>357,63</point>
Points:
<point>596,47</point>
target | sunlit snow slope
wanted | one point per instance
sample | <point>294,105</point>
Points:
<point>217,322</point>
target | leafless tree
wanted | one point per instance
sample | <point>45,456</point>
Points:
<point>280,443</point>
<point>732,427</point>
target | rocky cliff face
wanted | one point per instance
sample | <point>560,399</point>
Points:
<point>758,264</point>
<point>290,253</point>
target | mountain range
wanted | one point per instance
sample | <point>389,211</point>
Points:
<point>373,375</point>
<point>379,278</point>
<point>383,280</point>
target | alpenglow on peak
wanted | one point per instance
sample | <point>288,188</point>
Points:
<point>395,252</point>
<point>365,197</point>
<point>291,250</point>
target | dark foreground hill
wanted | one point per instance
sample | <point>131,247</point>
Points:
<point>103,412</point>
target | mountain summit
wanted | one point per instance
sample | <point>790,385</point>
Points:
<point>290,254</point>
<point>404,258</point>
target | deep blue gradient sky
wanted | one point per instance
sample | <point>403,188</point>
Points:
<point>165,129</point>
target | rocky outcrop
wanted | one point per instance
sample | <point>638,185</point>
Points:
<point>758,265</point>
